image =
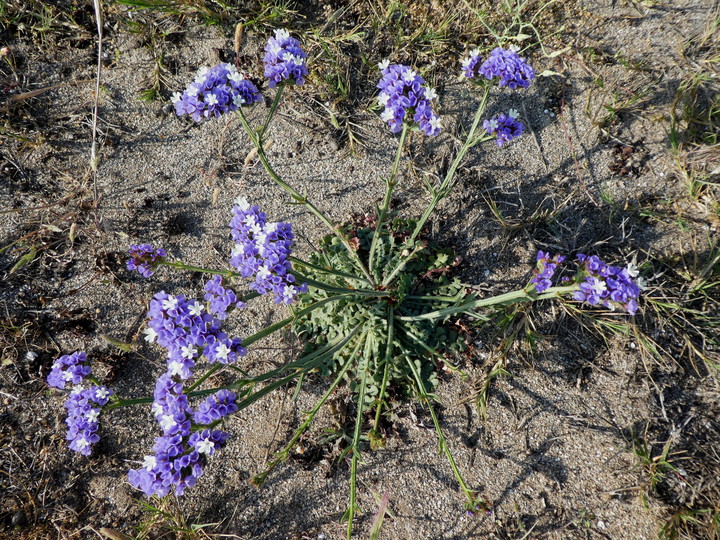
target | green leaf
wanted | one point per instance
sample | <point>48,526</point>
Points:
<point>25,259</point>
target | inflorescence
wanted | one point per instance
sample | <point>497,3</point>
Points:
<point>186,330</point>
<point>403,95</point>
<point>612,286</point>
<point>215,91</point>
<point>546,267</point>
<point>284,60</point>
<point>144,258</point>
<point>505,64</point>
<point>505,127</point>
<point>262,250</point>
<point>83,405</point>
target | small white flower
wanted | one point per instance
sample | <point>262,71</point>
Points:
<point>387,115</point>
<point>222,351</point>
<point>188,351</point>
<point>263,273</point>
<point>598,286</point>
<point>236,76</point>
<point>383,99</point>
<point>150,335</point>
<point>512,113</point>
<point>271,227</point>
<point>409,76</point>
<point>242,203</point>
<point>102,392</point>
<point>200,76</point>
<point>641,283</point>
<point>204,446</point>
<point>289,292</point>
<point>92,415</point>
<point>465,64</point>
<point>76,390</point>
<point>475,53</point>
<point>149,462</point>
<point>430,93</point>
<point>493,124</point>
<point>211,99</point>
<point>239,249</point>
<point>67,376</point>
<point>632,270</point>
<point>170,303</point>
<point>281,34</point>
<point>82,443</point>
<point>177,96</point>
<point>175,367</point>
<point>514,48</point>
<point>157,409</point>
<point>193,90</point>
<point>238,100</point>
<point>384,64</point>
<point>435,122</point>
<point>195,309</point>
<point>167,422</point>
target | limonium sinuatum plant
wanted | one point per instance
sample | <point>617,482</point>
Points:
<point>374,302</point>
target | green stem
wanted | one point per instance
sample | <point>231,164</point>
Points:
<point>309,365</point>
<point>182,266</point>
<point>271,112</point>
<point>512,297</point>
<point>257,141</point>
<point>447,183</point>
<point>389,187</point>
<point>386,368</point>
<point>319,285</point>
<point>326,270</point>
<point>281,456</point>
<point>356,451</point>
<point>402,264</point>
<point>442,443</point>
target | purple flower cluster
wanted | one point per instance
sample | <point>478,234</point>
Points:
<point>183,327</point>
<point>505,64</point>
<point>68,369</point>
<point>144,258</point>
<point>217,406</point>
<point>505,127</point>
<point>215,91</point>
<point>186,330</point>
<point>402,94</point>
<point>545,270</point>
<point>262,250</point>
<point>179,455</point>
<point>83,405</point>
<point>611,286</point>
<point>220,298</point>
<point>284,60</point>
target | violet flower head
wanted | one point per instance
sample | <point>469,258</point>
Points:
<point>220,298</point>
<point>285,61</point>
<point>505,64</point>
<point>262,250</point>
<point>84,407</point>
<point>471,64</point>
<point>610,286</point>
<point>215,407</point>
<point>144,258</point>
<point>403,95</point>
<point>505,127</point>
<point>68,369</point>
<point>546,267</point>
<point>215,91</point>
